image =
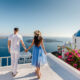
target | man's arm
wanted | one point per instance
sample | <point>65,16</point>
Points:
<point>23,44</point>
<point>9,45</point>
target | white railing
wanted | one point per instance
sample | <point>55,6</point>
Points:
<point>4,58</point>
<point>22,60</point>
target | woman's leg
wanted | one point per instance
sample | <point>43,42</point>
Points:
<point>39,73</point>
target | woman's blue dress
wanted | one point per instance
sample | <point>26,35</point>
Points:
<point>38,56</point>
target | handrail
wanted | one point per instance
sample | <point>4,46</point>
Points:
<point>4,58</point>
<point>0,61</point>
<point>24,60</point>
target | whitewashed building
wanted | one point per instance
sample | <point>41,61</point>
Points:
<point>74,45</point>
<point>76,40</point>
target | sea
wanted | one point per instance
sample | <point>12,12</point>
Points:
<point>50,44</point>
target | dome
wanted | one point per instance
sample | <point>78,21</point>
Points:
<point>77,34</point>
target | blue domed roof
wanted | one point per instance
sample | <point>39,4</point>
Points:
<point>77,34</point>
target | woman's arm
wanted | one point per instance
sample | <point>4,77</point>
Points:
<point>42,44</point>
<point>30,46</point>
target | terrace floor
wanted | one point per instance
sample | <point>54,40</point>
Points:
<point>55,70</point>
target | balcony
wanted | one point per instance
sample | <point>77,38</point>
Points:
<point>56,69</point>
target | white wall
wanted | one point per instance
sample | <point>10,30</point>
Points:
<point>76,42</point>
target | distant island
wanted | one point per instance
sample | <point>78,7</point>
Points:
<point>30,39</point>
<point>45,40</point>
<point>3,37</point>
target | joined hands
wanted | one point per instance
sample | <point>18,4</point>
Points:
<point>26,50</point>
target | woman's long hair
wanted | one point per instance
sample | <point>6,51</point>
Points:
<point>37,38</point>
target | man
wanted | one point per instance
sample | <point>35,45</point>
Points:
<point>14,49</point>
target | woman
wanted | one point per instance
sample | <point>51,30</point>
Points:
<point>39,52</point>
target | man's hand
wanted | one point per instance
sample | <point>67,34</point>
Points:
<point>26,50</point>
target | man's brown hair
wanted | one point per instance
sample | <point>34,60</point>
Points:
<point>16,29</point>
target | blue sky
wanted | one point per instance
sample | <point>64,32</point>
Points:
<point>59,18</point>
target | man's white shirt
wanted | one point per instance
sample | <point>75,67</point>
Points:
<point>15,41</point>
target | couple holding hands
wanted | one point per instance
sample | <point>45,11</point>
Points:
<point>38,54</point>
